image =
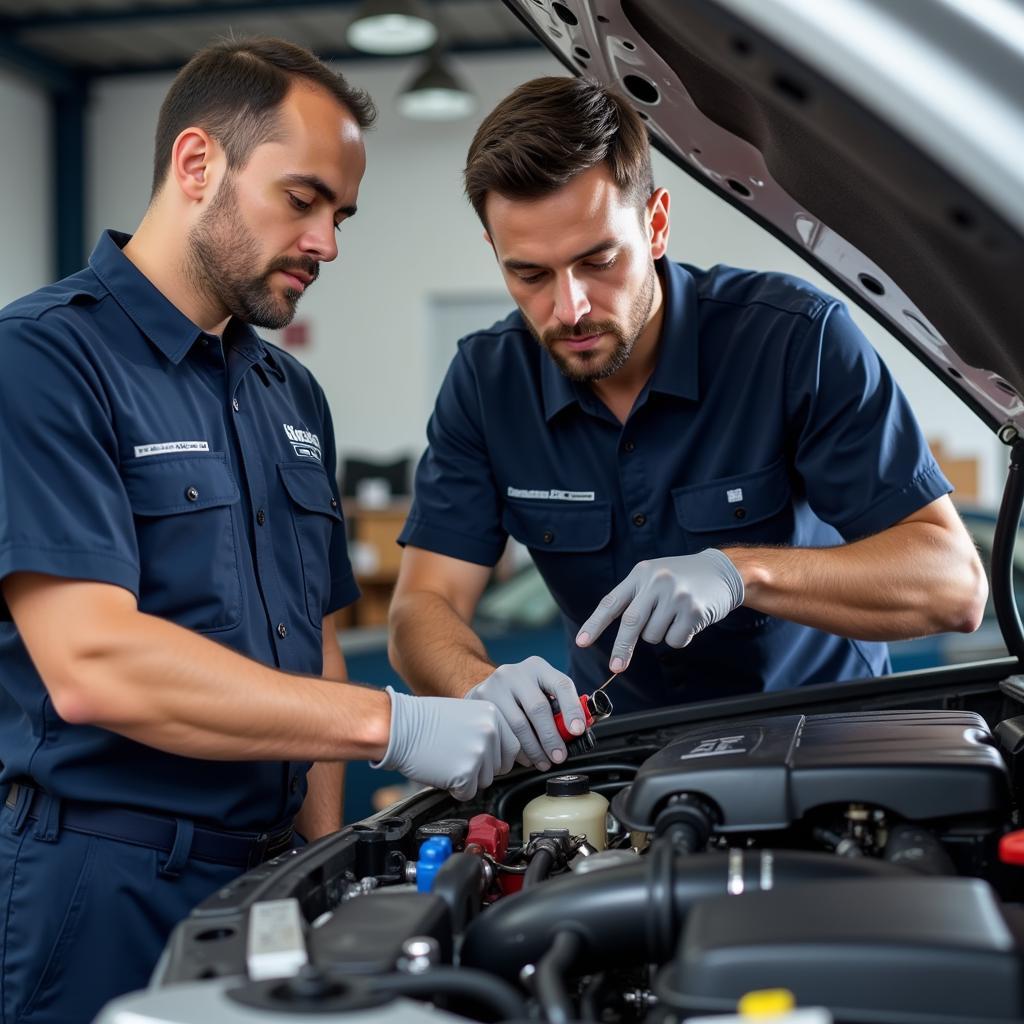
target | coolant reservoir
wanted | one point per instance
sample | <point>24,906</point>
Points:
<point>569,804</point>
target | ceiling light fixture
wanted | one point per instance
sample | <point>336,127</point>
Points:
<point>392,27</point>
<point>436,94</point>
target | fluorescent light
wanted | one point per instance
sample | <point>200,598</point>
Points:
<point>436,94</point>
<point>391,27</point>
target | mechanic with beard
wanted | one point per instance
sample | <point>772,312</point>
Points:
<point>715,458</point>
<point>172,550</point>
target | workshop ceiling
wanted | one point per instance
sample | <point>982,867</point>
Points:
<point>102,37</point>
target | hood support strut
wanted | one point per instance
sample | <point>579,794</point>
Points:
<point>1003,543</point>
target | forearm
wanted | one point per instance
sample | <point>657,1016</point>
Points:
<point>910,580</point>
<point>433,648</point>
<point>169,688</point>
<point>322,810</point>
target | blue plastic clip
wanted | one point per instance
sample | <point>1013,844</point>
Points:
<point>433,853</point>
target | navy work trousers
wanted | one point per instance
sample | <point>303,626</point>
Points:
<point>85,918</point>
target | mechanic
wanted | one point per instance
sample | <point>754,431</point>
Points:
<point>720,453</point>
<point>172,550</point>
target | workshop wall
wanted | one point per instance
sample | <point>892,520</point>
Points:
<point>25,196</point>
<point>416,240</point>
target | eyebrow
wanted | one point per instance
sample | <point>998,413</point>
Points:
<point>321,187</point>
<point>607,243</point>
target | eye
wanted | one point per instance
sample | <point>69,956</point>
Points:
<point>606,265</point>
<point>529,278</point>
<point>300,204</point>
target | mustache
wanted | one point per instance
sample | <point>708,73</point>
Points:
<point>308,266</point>
<point>581,329</point>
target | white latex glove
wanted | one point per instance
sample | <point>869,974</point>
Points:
<point>445,742</point>
<point>670,599</point>
<point>521,693</point>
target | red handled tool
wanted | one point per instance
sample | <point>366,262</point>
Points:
<point>596,706</point>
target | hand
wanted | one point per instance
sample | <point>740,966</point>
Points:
<point>670,599</point>
<point>445,742</point>
<point>521,693</point>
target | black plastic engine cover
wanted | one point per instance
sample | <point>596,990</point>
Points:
<point>929,948</point>
<point>766,774</point>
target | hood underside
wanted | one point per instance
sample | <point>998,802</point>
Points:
<point>882,142</point>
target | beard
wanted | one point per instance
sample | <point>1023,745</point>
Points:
<point>220,255</point>
<point>585,367</point>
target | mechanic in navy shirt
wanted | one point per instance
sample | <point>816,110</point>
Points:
<point>172,549</point>
<point>717,459</point>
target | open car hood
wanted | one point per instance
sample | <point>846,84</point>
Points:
<point>881,141</point>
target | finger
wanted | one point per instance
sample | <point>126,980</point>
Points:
<point>485,776</point>
<point>522,759</point>
<point>681,632</point>
<point>528,742</point>
<point>658,624</point>
<point>464,789</point>
<point>608,610</point>
<point>543,721</point>
<point>510,746</point>
<point>634,618</point>
<point>562,688</point>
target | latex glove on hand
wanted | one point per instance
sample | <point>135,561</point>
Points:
<point>521,694</point>
<point>446,742</point>
<point>666,599</point>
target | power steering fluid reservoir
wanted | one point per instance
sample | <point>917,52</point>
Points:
<point>569,804</point>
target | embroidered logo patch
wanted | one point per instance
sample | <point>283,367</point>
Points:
<point>734,494</point>
<point>306,445</point>
<point>142,450</point>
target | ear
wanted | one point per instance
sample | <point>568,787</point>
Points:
<point>191,157</point>
<point>657,220</point>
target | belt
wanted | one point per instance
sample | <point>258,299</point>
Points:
<point>239,849</point>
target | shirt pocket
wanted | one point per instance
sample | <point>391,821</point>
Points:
<point>315,515</point>
<point>751,508</point>
<point>570,545</point>
<point>184,524</point>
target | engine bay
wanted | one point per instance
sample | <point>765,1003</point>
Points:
<point>867,861</point>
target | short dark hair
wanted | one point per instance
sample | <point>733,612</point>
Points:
<point>548,131</point>
<point>233,89</point>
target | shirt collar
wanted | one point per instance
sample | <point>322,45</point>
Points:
<point>675,372</point>
<point>152,312</point>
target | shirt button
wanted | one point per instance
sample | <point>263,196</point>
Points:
<point>192,493</point>
<point>548,536</point>
<point>740,513</point>
<point>639,519</point>
<point>334,502</point>
<point>261,517</point>
<point>294,784</point>
<point>629,446</point>
<point>234,404</point>
<point>282,630</point>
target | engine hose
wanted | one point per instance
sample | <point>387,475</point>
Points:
<point>540,867</point>
<point>461,982</point>
<point>633,914</point>
<point>552,967</point>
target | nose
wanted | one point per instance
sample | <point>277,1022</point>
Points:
<point>571,302</point>
<point>321,241</point>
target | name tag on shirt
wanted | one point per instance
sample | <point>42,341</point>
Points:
<point>142,450</point>
<point>551,495</point>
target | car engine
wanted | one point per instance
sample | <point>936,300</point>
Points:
<point>866,861</point>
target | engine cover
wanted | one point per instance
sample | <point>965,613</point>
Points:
<point>768,773</point>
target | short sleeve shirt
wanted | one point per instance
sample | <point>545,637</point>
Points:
<point>196,472</point>
<point>768,420</point>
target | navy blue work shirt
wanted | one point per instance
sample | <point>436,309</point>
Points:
<point>194,471</point>
<point>768,419</point>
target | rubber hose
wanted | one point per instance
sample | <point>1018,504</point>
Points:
<point>1003,597</point>
<point>478,986</point>
<point>539,868</point>
<point>552,967</point>
<point>519,929</point>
